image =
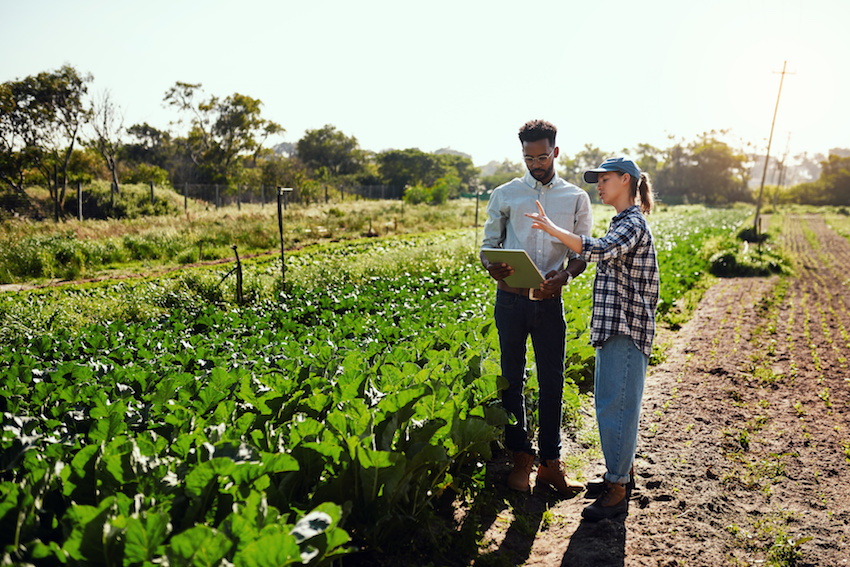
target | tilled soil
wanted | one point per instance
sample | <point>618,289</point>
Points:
<point>745,439</point>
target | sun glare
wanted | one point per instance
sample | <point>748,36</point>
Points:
<point>808,89</point>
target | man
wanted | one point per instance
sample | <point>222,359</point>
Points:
<point>520,312</point>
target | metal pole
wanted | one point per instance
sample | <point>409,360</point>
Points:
<point>281,200</point>
<point>477,200</point>
<point>152,199</point>
<point>185,197</point>
<point>280,229</point>
<point>55,194</point>
<point>238,276</point>
<point>80,200</point>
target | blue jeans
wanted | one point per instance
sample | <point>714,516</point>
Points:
<point>516,318</point>
<point>618,388</point>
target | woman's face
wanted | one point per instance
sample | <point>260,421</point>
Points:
<point>613,187</point>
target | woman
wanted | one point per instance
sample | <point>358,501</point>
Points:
<point>625,296</point>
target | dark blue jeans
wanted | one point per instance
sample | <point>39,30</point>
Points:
<point>516,318</point>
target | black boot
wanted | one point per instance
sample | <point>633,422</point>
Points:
<point>596,487</point>
<point>613,502</point>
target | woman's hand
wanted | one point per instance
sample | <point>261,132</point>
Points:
<point>541,221</point>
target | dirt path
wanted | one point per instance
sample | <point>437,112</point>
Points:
<point>745,438</point>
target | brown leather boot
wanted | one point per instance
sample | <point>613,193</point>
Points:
<point>613,502</point>
<point>551,472</point>
<point>518,477</point>
<point>597,486</point>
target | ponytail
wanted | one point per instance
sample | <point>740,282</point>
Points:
<point>644,187</point>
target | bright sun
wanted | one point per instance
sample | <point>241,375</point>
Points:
<point>808,89</point>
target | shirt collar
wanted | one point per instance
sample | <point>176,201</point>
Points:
<point>535,184</point>
<point>626,212</point>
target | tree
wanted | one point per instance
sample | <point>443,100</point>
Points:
<point>705,171</point>
<point>671,181</point>
<point>329,148</point>
<point>153,146</point>
<point>220,130</point>
<point>409,167</point>
<point>415,167</point>
<point>831,188</point>
<point>503,173</point>
<point>39,123</point>
<point>444,187</point>
<point>63,92</point>
<point>86,165</point>
<point>718,174</point>
<point>19,120</point>
<point>459,166</point>
<point>573,168</point>
<point>108,126</point>
<point>278,171</point>
<point>149,155</point>
<point>648,158</point>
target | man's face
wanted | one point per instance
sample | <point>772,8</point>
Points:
<point>540,159</point>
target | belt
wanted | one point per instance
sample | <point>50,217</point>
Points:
<point>527,292</point>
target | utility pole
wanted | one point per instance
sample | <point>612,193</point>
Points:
<point>767,157</point>
<point>782,167</point>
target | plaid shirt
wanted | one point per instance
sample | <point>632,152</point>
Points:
<point>626,288</point>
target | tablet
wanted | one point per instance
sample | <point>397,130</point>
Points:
<point>525,273</point>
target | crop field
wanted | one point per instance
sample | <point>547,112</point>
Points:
<point>158,420</point>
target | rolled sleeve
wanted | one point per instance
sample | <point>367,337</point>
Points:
<point>496,223</point>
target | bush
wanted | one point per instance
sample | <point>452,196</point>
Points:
<point>443,187</point>
<point>61,256</point>
<point>416,194</point>
<point>750,235</point>
<point>133,201</point>
<point>743,261</point>
<point>145,173</point>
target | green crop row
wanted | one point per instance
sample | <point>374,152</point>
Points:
<point>159,421</point>
<point>212,431</point>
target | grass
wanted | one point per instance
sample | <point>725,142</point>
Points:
<point>43,310</point>
<point>769,535</point>
<point>41,251</point>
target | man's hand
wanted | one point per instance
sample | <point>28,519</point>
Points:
<point>554,281</point>
<point>499,270</point>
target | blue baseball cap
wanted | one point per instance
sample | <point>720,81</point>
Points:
<point>620,164</point>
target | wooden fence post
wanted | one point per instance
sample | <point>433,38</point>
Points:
<point>152,198</point>
<point>185,197</point>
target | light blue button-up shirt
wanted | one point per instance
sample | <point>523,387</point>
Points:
<point>507,226</point>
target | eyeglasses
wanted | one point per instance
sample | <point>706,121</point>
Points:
<point>529,160</point>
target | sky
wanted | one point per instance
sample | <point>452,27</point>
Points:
<point>462,74</point>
